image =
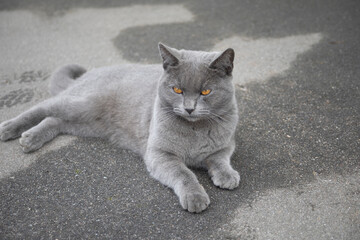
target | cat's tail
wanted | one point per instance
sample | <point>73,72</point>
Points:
<point>64,77</point>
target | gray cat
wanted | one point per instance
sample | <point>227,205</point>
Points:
<point>180,115</point>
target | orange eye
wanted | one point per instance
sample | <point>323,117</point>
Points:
<point>205,92</point>
<point>177,90</point>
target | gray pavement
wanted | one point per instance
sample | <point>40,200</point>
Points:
<point>297,76</point>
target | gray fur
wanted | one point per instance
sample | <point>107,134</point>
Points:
<point>135,107</point>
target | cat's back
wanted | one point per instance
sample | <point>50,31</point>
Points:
<point>127,79</point>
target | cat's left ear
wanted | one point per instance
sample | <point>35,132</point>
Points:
<point>225,62</point>
<point>169,56</point>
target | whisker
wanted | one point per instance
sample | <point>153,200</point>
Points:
<point>167,114</point>
<point>167,117</point>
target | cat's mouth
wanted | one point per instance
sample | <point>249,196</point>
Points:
<point>191,118</point>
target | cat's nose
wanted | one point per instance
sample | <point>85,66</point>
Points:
<point>189,110</point>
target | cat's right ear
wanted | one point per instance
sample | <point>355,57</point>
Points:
<point>225,62</point>
<point>169,56</point>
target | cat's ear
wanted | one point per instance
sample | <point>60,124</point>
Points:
<point>169,56</point>
<point>225,62</point>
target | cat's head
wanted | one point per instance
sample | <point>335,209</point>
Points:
<point>196,85</point>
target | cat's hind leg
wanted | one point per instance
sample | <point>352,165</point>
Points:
<point>65,108</point>
<point>13,128</point>
<point>37,136</point>
<point>49,128</point>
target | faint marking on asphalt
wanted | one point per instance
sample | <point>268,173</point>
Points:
<point>16,97</point>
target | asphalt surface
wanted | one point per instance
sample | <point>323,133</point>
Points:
<point>297,75</point>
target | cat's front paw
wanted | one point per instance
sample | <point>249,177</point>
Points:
<point>8,130</point>
<point>226,179</point>
<point>30,142</point>
<point>195,201</point>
